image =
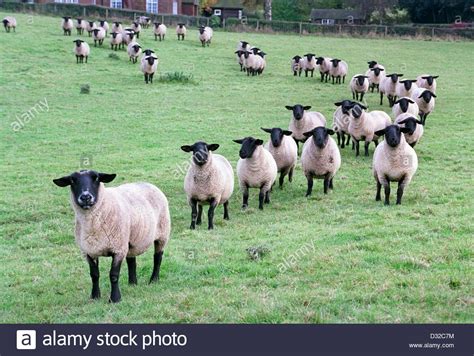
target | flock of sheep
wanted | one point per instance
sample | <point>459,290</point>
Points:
<point>125,221</point>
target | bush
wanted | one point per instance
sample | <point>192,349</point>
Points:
<point>177,77</point>
<point>390,16</point>
<point>215,21</point>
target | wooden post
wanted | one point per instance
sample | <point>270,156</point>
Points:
<point>223,24</point>
<point>84,12</point>
<point>207,21</point>
<point>258,25</point>
<point>386,31</point>
<point>301,28</point>
<point>433,33</point>
<point>106,13</point>
<point>162,19</point>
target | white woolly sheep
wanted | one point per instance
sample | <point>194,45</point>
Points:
<point>405,106</point>
<point>256,168</point>
<point>67,25</point>
<point>105,25</point>
<point>121,222</point>
<point>388,86</point>
<point>9,22</point>
<point>117,27</point>
<point>394,161</point>
<point>405,88</point>
<point>160,31</point>
<point>205,35</point>
<point>308,64</point>
<point>284,150</point>
<point>425,99</point>
<point>427,81</point>
<point>136,27</point>
<point>324,65</point>
<point>251,63</point>
<point>90,26</point>
<point>128,36</point>
<point>149,64</point>
<point>144,21</point>
<point>80,26</point>
<point>260,63</point>
<point>303,121</point>
<point>243,46</point>
<point>320,158</point>
<point>116,40</point>
<point>209,180</point>
<point>341,119</point>
<point>375,73</point>
<point>363,126</point>
<point>338,70</point>
<point>240,59</point>
<point>414,126</point>
<point>134,50</point>
<point>296,66</point>
<point>359,86</point>
<point>181,31</point>
<point>98,34</point>
<point>81,50</point>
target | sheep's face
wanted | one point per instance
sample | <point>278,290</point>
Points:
<point>410,124</point>
<point>430,78</point>
<point>181,25</point>
<point>148,52</point>
<point>79,21</point>
<point>85,186</point>
<point>276,135</point>
<point>357,110</point>
<point>117,24</point>
<point>96,31</point>
<point>407,83</point>
<point>372,64</point>
<point>360,79</point>
<point>319,60</point>
<point>114,34</point>
<point>394,77</point>
<point>297,59</point>
<point>248,146</point>
<point>102,22</point>
<point>78,43</point>
<point>310,56</point>
<point>5,22</point>
<point>427,95</point>
<point>393,134</point>
<point>377,71</point>
<point>200,151</point>
<point>91,23</point>
<point>246,54</point>
<point>136,48</point>
<point>66,18</point>
<point>157,24</point>
<point>346,106</point>
<point>404,103</point>
<point>298,110</point>
<point>150,60</point>
<point>320,136</point>
<point>201,30</point>
<point>335,62</point>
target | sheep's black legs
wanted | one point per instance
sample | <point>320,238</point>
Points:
<point>157,258</point>
<point>366,148</point>
<point>361,96</point>
<point>290,175</point>
<point>310,186</point>
<point>330,184</point>
<point>199,217</point>
<point>132,270</point>
<point>401,186</point>
<point>282,178</point>
<point>338,138</point>
<point>379,188</point>
<point>381,99</point>
<point>194,214</point>
<point>357,147</point>
<point>326,185</point>
<point>114,279</point>
<point>267,197</point>
<point>261,198</point>
<point>387,193</point>
<point>210,214</point>
<point>245,202</point>
<point>226,211</point>
<point>94,272</point>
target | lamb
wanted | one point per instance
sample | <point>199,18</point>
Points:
<point>9,22</point>
<point>394,161</point>
<point>160,31</point>
<point>209,180</point>
<point>324,66</point>
<point>136,27</point>
<point>144,21</point>
<point>256,168</point>
<point>425,99</point>
<point>375,75</point>
<point>308,63</point>
<point>427,81</point>
<point>303,121</point>
<point>98,35</point>
<point>338,70</point>
<point>405,106</point>
<point>405,88</point>
<point>80,26</point>
<point>116,40</point>
<point>341,119</point>
<point>181,31</point>
<point>117,27</point>
<point>205,35</point>
<point>149,64</point>
<point>134,50</point>
<point>90,26</point>
<point>67,25</point>
<point>320,158</point>
<point>363,125</point>
<point>105,25</point>
<point>122,222</point>
<point>296,66</point>
<point>284,150</point>
<point>388,87</point>
<point>81,50</point>
<point>414,126</point>
<point>359,86</point>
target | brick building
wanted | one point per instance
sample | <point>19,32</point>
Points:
<point>154,6</point>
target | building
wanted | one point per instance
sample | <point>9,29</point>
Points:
<point>337,16</point>
<point>228,8</point>
<point>154,6</point>
<point>190,8</point>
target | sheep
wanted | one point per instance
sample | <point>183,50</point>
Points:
<point>134,50</point>
<point>375,75</point>
<point>9,22</point>
<point>128,36</point>
<point>116,40</point>
<point>181,31</point>
<point>324,66</point>
<point>338,70</point>
<point>105,25</point>
<point>81,50</point>
<point>98,35</point>
<point>243,46</point>
<point>67,25</point>
<point>284,150</point>
<point>341,119</point>
<point>80,26</point>
<point>209,180</point>
<point>136,27</point>
<point>144,21</point>
<point>425,99</point>
<point>121,222</point>
<point>149,64</point>
<point>205,35</point>
<point>394,161</point>
<point>303,121</point>
<point>159,30</point>
<point>240,59</point>
<point>256,168</point>
<point>359,86</point>
<point>90,26</point>
<point>148,52</point>
<point>405,88</point>
<point>388,85</point>
<point>320,158</point>
<point>250,62</point>
<point>405,106</point>
<point>117,27</point>
<point>375,64</point>
<point>296,66</point>
<point>414,126</point>
<point>427,81</point>
<point>308,64</point>
<point>363,125</point>
<point>261,62</point>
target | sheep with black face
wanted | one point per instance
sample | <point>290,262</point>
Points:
<point>359,86</point>
<point>149,64</point>
<point>338,70</point>
<point>80,26</point>
<point>120,222</point>
<point>320,158</point>
<point>405,105</point>
<point>136,27</point>
<point>256,168</point>
<point>427,81</point>
<point>90,26</point>
<point>160,31</point>
<point>414,126</point>
<point>341,120</point>
<point>105,25</point>
<point>284,150</point>
<point>116,40</point>
<point>405,88</point>
<point>81,50</point>
<point>181,31</point>
<point>117,26</point>
<point>67,25</point>
<point>9,22</point>
<point>296,66</point>
<point>324,65</point>
<point>205,35</point>
<point>209,181</point>
<point>134,50</point>
<point>308,63</point>
<point>425,99</point>
<point>375,73</point>
<point>99,35</point>
<point>303,121</point>
<point>394,161</point>
<point>388,87</point>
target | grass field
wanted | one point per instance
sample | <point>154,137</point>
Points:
<point>351,259</point>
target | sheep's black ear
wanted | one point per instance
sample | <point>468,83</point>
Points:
<point>400,75</point>
<point>435,76</point>
<point>330,131</point>
<point>363,106</point>
<point>398,101</point>
<point>403,121</point>
<point>380,132</point>
<point>287,133</point>
<point>411,101</point>
<point>381,69</point>
<point>419,122</point>
<point>266,130</point>
<point>288,107</point>
<point>338,103</point>
<point>258,142</point>
<point>238,141</point>
<point>106,178</point>
<point>433,94</point>
<point>213,147</point>
<point>308,134</point>
<point>306,107</point>
<point>63,181</point>
<point>186,148</point>
<point>404,130</point>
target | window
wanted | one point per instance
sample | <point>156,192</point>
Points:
<point>218,12</point>
<point>327,21</point>
<point>152,6</point>
<point>175,8</point>
<point>240,14</point>
<point>66,1</point>
<point>116,4</point>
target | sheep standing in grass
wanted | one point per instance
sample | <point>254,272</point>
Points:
<point>240,59</point>
<point>144,21</point>
<point>338,70</point>
<point>121,222</point>
<point>261,62</point>
<point>134,50</point>
<point>117,27</point>
<point>388,86</point>
<point>308,64</point>
<point>405,106</point>
<point>427,81</point>
<point>320,158</point>
<point>98,34</point>
<point>363,126</point>
<point>414,126</point>
<point>394,161</point>
<point>284,150</point>
<point>341,119</point>
<point>405,88</point>
<point>256,168</point>
<point>359,86</point>
<point>205,35</point>
<point>243,46</point>
<point>160,31</point>
<point>9,22</point>
<point>375,73</point>
<point>81,50</point>
<point>209,180</point>
<point>116,40</point>
<point>296,66</point>
<point>128,36</point>
<point>303,121</point>
<point>136,27</point>
<point>324,65</point>
<point>80,26</point>
<point>149,64</point>
<point>181,31</point>
<point>425,99</point>
<point>251,63</point>
<point>90,26</point>
<point>67,25</point>
<point>105,25</point>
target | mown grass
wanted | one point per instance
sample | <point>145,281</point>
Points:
<point>363,262</point>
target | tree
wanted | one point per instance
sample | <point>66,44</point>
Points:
<point>266,4</point>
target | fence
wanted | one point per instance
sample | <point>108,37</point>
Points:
<point>250,25</point>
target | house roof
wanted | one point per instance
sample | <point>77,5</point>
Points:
<point>336,14</point>
<point>228,4</point>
